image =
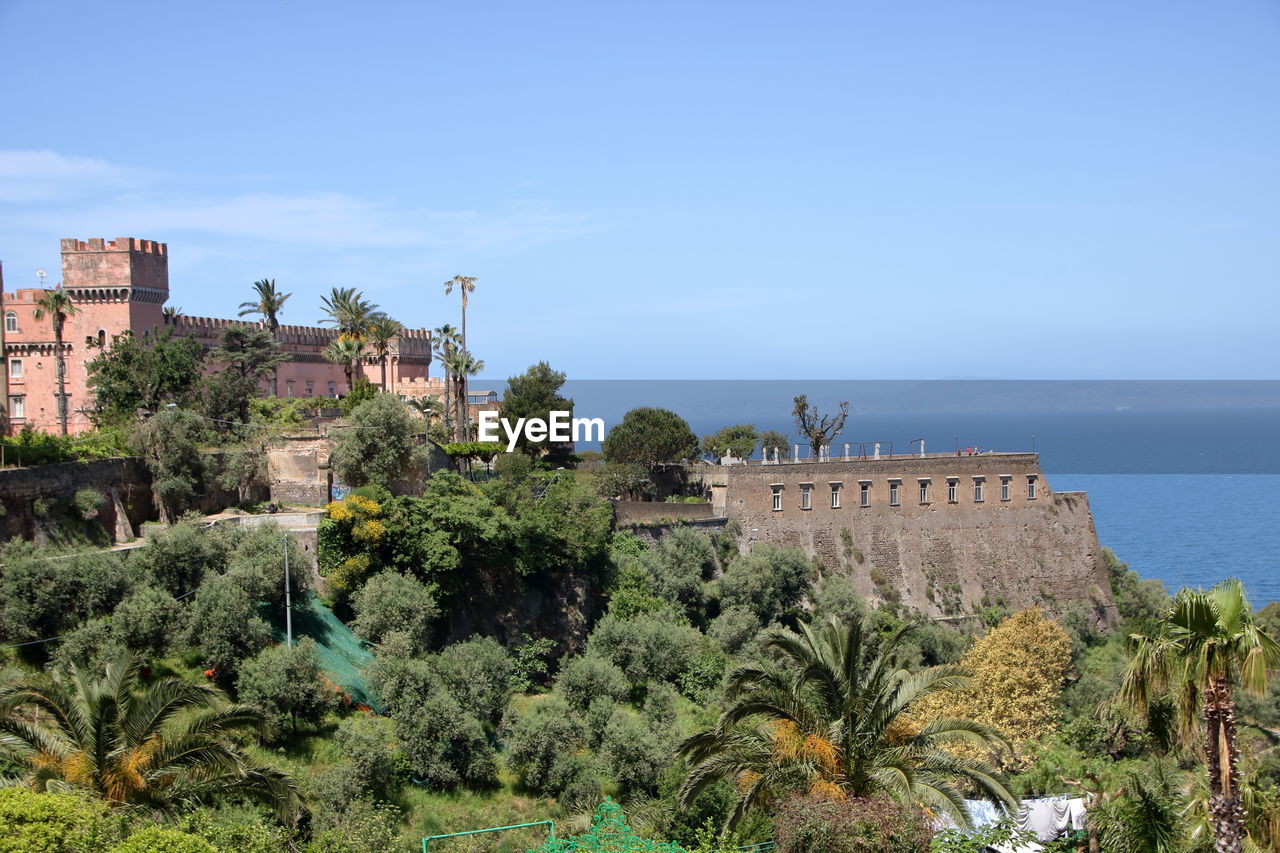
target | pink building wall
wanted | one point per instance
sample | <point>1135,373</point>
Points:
<point>122,285</point>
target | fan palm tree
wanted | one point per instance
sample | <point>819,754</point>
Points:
<point>831,719</point>
<point>382,329</point>
<point>56,304</point>
<point>460,364</point>
<point>444,343</point>
<point>1200,650</point>
<point>347,352</point>
<point>348,310</point>
<point>268,305</point>
<point>159,745</point>
<point>466,284</point>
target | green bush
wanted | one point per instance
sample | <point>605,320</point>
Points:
<point>768,581</point>
<point>285,682</point>
<point>588,677</point>
<point>33,822</point>
<point>811,824</point>
<point>155,839</point>
<point>390,601</point>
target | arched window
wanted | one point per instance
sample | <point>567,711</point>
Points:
<point>11,321</point>
<point>102,338</point>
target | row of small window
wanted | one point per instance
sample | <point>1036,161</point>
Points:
<point>895,492</point>
<point>311,388</point>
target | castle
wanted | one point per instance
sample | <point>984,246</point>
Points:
<point>945,534</point>
<point>121,286</point>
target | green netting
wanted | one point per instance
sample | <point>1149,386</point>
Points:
<point>609,833</point>
<point>340,653</point>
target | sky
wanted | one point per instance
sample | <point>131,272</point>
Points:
<point>828,190</point>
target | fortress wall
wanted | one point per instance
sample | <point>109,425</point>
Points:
<point>125,482</point>
<point>628,513</point>
<point>944,558</point>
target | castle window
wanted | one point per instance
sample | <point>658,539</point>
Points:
<point>102,338</point>
<point>311,387</point>
<point>17,407</point>
<point>1031,487</point>
<point>864,496</point>
<point>806,495</point>
<point>979,487</point>
<point>333,391</point>
<point>777,498</point>
<point>924,489</point>
<point>15,368</point>
<point>1004,488</point>
<point>11,321</point>
<point>895,487</point>
<point>953,490</point>
<point>835,495</point>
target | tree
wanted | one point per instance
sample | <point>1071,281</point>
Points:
<point>1017,671</point>
<point>738,441</point>
<point>248,356</point>
<point>461,364</point>
<point>268,304</point>
<point>382,331</point>
<point>226,625</point>
<point>57,306</point>
<point>1206,644</point>
<point>768,581</point>
<point>158,745</point>
<point>445,341</point>
<point>378,445</point>
<point>466,285</point>
<point>285,683</point>
<point>829,720</point>
<point>346,352</point>
<point>346,309</point>
<point>816,426</point>
<point>45,598</point>
<point>771,440</point>
<point>148,620</point>
<point>145,373</point>
<point>169,443</point>
<point>679,565</point>
<point>649,437</point>
<point>390,601</point>
<point>534,394</point>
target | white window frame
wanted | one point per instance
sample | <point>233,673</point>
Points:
<point>979,490</point>
<point>288,387</point>
<point>18,406</point>
<point>806,495</point>
<point>836,489</point>
<point>924,482</point>
<point>11,321</point>
<point>895,493</point>
<point>15,368</point>
<point>864,494</point>
<point>953,490</point>
<point>1005,488</point>
<point>1031,486</point>
<point>777,498</point>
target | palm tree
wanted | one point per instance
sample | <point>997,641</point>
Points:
<point>345,351</point>
<point>349,311</point>
<point>460,364</point>
<point>267,305</point>
<point>832,719</point>
<point>466,284</point>
<point>1206,644</point>
<point>444,343</point>
<point>57,305</point>
<point>382,329</point>
<point>157,745</point>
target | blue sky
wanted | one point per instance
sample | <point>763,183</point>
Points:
<point>683,190</point>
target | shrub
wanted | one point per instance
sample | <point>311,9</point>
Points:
<point>148,620</point>
<point>633,751</point>
<point>646,648</point>
<point>33,822</point>
<point>179,558</point>
<point>390,601</point>
<point>679,564</point>
<point>768,581</point>
<point>478,673</point>
<point>225,624</point>
<point>543,744</point>
<point>587,677</point>
<point>89,647</point>
<point>155,839</point>
<point>381,445</point>
<point>372,762</point>
<point>285,682</point>
<point>734,628</point>
<point>446,746</point>
<point>814,824</point>
<point>89,502</point>
<point>41,598</point>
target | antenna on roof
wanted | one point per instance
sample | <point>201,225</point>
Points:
<point>42,275</point>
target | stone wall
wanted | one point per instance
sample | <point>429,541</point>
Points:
<point>942,552</point>
<point>631,513</point>
<point>124,483</point>
<point>299,473</point>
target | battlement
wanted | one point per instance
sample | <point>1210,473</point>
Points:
<point>120,244</point>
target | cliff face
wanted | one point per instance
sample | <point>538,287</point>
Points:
<point>943,534</point>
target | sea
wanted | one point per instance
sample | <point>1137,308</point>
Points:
<point>1183,477</point>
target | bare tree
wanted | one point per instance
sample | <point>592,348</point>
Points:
<point>816,426</point>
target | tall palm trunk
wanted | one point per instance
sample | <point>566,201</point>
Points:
<point>448,402</point>
<point>462,380</point>
<point>383,362</point>
<point>62,371</point>
<point>464,421</point>
<point>274,325</point>
<point>349,369</point>
<point>1226,812</point>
